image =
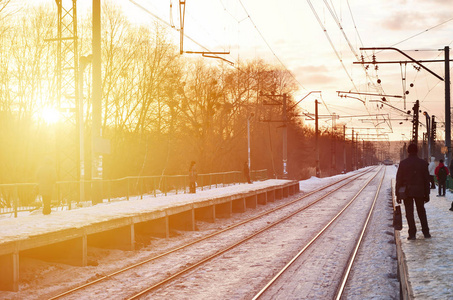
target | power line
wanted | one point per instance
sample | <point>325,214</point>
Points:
<point>354,52</point>
<point>168,24</point>
<point>353,22</point>
<point>426,30</point>
<point>270,48</point>
<point>331,43</point>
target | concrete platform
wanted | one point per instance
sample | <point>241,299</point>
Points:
<point>426,265</point>
<point>64,236</point>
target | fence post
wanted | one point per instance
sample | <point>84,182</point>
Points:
<point>16,195</point>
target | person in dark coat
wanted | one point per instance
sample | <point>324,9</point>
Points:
<point>193,177</point>
<point>441,172</point>
<point>414,176</point>
<point>247,172</point>
<point>47,178</point>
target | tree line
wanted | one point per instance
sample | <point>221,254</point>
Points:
<point>161,110</point>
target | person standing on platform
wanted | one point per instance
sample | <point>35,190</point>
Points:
<point>432,168</point>
<point>441,174</point>
<point>192,177</point>
<point>47,178</point>
<point>247,173</point>
<point>413,176</point>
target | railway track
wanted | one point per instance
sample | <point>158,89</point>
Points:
<point>304,202</point>
<point>271,291</point>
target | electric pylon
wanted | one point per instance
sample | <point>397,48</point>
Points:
<point>67,95</point>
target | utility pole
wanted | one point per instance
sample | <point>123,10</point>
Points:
<point>447,104</point>
<point>83,63</point>
<point>96,158</point>
<point>285,128</point>
<point>428,133</point>
<point>363,153</point>
<point>67,135</point>
<point>357,149</point>
<point>446,80</point>
<point>352,151</point>
<point>344,149</point>
<point>433,129</point>
<point>248,140</point>
<point>415,119</point>
<point>318,172</point>
<point>333,145</point>
<point>285,138</point>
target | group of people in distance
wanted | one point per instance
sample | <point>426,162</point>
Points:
<point>414,180</point>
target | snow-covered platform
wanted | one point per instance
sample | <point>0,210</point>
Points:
<point>428,262</point>
<point>64,236</point>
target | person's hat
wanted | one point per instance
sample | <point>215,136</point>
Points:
<point>412,149</point>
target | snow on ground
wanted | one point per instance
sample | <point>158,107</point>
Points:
<point>429,264</point>
<point>38,278</point>
<point>35,224</point>
<point>429,261</point>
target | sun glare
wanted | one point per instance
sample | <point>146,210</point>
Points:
<point>50,115</point>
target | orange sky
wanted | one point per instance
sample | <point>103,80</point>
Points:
<point>288,32</point>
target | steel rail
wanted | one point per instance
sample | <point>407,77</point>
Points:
<point>353,256</point>
<point>220,252</point>
<point>311,242</point>
<point>78,288</point>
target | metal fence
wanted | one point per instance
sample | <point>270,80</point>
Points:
<point>22,197</point>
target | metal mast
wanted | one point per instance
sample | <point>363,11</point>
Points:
<point>67,93</point>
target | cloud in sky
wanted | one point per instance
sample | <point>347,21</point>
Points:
<point>311,75</point>
<point>404,20</point>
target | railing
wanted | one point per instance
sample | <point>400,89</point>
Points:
<point>21,197</point>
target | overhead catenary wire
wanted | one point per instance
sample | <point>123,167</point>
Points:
<point>353,22</point>
<point>331,43</point>
<point>354,52</point>
<point>337,21</point>
<point>334,48</point>
<point>169,25</point>
<point>268,45</point>
<point>424,31</point>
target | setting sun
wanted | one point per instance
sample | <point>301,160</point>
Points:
<point>50,115</point>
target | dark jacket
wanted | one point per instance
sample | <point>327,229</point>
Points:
<point>413,173</point>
